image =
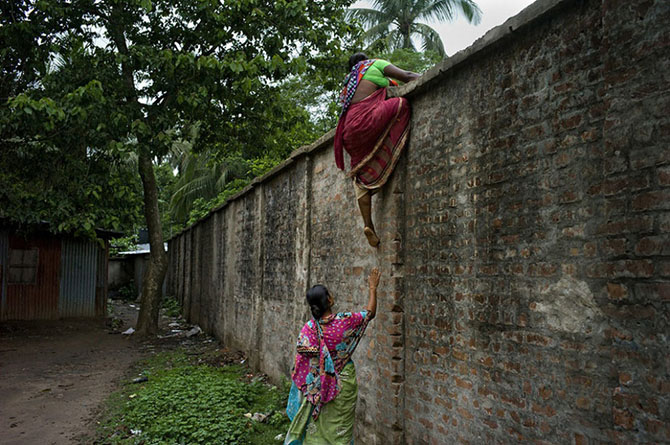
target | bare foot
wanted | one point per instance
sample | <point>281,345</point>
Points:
<point>372,237</point>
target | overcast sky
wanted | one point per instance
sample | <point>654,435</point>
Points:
<point>459,34</point>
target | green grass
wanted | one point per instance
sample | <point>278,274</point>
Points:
<point>185,402</point>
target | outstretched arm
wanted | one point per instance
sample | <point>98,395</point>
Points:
<point>402,75</point>
<point>372,302</point>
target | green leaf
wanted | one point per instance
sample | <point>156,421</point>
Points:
<point>146,5</point>
<point>236,67</point>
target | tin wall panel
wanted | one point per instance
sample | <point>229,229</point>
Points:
<point>38,300</point>
<point>4,246</point>
<point>78,278</point>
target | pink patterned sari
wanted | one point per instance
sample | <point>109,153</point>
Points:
<point>324,348</point>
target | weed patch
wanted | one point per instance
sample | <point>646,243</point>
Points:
<point>186,402</point>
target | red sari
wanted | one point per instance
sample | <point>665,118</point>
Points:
<point>373,131</point>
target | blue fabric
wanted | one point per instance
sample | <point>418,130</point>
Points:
<point>293,404</point>
<point>329,365</point>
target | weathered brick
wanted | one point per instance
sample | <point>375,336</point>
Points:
<point>622,418</point>
<point>626,225</point>
<point>664,222</point>
<point>663,175</point>
<point>583,403</point>
<point>653,291</point>
<point>614,186</point>
<point>653,245</point>
<point>616,291</point>
<point>613,247</point>
<point>649,157</point>
<point>462,383</point>
<point>652,201</point>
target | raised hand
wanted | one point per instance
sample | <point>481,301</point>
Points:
<point>374,278</point>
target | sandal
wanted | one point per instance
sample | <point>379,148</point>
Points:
<point>372,237</point>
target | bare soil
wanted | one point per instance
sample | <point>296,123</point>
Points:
<point>54,375</point>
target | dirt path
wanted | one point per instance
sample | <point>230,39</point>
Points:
<point>54,376</point>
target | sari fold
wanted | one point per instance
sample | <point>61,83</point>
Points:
<point>374,132</point>
<point>335,424</point>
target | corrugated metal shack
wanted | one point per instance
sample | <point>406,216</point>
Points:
<point>47,276</point>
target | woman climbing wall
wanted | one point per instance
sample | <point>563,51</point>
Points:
<point>372,129</point>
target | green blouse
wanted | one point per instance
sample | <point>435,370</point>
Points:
<point>375,73</point>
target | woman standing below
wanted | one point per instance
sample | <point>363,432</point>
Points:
<point>372,129</point>
<point>322,402</point>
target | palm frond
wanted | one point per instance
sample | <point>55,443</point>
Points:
<point>182,200</point>
<point>222,176</point>
<point>378,32</point>
<point>366,16</point>
<point>445,10</point>
<point>385,42</point>
<point>195,180</point>
<point>430,39</point>
<point>391,7</point>
<point>201,186</point>
<point>395,40</point>
<point>391,23</point>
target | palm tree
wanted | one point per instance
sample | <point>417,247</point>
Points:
<point>394,22</point>
<point>199,177</point>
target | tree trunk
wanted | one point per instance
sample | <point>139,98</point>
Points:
<point>152,282</point>
<point>406,31</point>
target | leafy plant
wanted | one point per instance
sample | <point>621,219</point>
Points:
<point>202,207</point>
<point>411,60</point>
<point>123,244</point>
<point>190,403</point>
<point>171,307</point>
<point>128,292</point>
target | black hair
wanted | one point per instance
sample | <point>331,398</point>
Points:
<point>317,298</point>
<point>353,60</point>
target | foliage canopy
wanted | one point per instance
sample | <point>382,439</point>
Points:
<point>89,86</point>
<point>98,85</point>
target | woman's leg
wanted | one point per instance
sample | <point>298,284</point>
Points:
<point>364,198</point>
<point>365,205</point>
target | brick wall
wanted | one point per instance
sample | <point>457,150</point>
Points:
<point>525,253</point>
